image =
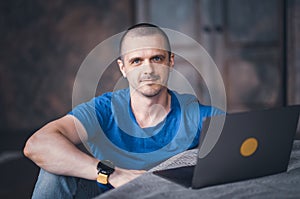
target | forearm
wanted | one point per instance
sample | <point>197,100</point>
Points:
<point>53,152</point>
<point>53,148</point>
<point>123,176</point>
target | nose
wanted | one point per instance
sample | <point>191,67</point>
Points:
<point>148,68</point>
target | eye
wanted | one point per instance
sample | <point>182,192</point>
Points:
<point>136,61</point>
<point>158,58</point>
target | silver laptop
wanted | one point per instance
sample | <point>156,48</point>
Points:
<point>252,144</point>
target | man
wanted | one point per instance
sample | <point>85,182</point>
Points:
<point>135,129</point>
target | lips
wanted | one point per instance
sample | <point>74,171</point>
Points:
<point>148,80</point>
<point>151,78</point>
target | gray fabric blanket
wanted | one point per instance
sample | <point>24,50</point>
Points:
<point>283,185</point>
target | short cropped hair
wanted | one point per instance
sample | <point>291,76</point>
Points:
<point>144,29</point>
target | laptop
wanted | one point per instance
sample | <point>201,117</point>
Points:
<point>252,144</point>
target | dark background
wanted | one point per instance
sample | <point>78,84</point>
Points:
<point>255,44</point>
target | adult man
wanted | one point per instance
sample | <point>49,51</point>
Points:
<point>135,128</point>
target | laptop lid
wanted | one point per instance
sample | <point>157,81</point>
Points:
<point>252,144</point>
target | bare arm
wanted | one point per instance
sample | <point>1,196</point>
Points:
<point>53,148</point>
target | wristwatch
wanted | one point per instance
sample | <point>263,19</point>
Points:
<point>105,168</point>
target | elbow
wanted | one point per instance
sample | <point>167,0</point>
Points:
<point>30,147</point>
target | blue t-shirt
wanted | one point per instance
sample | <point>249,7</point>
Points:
<point>114,134</point>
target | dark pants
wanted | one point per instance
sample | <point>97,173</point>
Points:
<point>52,186</point>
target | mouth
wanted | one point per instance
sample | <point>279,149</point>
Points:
<point>149,79</point>
<point>148,82</point>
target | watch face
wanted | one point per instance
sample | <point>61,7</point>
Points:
<point>106,167</point>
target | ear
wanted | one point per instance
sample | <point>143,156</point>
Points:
<point>121,67</point>
<point>172,62</point>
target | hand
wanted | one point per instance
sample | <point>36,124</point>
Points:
<point>122,176</point>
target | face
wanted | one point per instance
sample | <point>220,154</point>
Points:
<point>146,64</point>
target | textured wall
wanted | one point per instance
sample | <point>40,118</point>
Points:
<point>294,50</point>
<point>293,54</point>
<point>42,46</point>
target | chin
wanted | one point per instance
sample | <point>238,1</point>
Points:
<point>150,94</point>
<point>152,91</point>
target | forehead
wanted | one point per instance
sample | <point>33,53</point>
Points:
<point>144,53</point>
<point>142,43</point>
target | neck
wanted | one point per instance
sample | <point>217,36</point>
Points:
<point>149,111</point>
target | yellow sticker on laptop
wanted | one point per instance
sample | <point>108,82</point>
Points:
<point>248,147</point>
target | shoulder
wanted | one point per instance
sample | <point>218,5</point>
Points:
<point>184,98</point>
<point>107,98</point>
<point>100,103</point>
<point>190,103</point>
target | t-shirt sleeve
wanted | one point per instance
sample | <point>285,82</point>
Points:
<point>87,115</point>
<point>209,111</point>
<point>198,114</point>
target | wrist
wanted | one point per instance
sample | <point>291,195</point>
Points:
<point>87,169</point>
<point>104,169</point>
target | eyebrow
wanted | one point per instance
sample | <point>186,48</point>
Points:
<point>159,55</point>
<point>137,57</point>
<point>133,58</point>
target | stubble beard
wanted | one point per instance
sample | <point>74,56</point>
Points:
<point>150,92</point>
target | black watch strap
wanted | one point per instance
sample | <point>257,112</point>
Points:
<point>105,168</point>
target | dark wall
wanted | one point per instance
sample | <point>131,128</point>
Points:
<point>43,44</point>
